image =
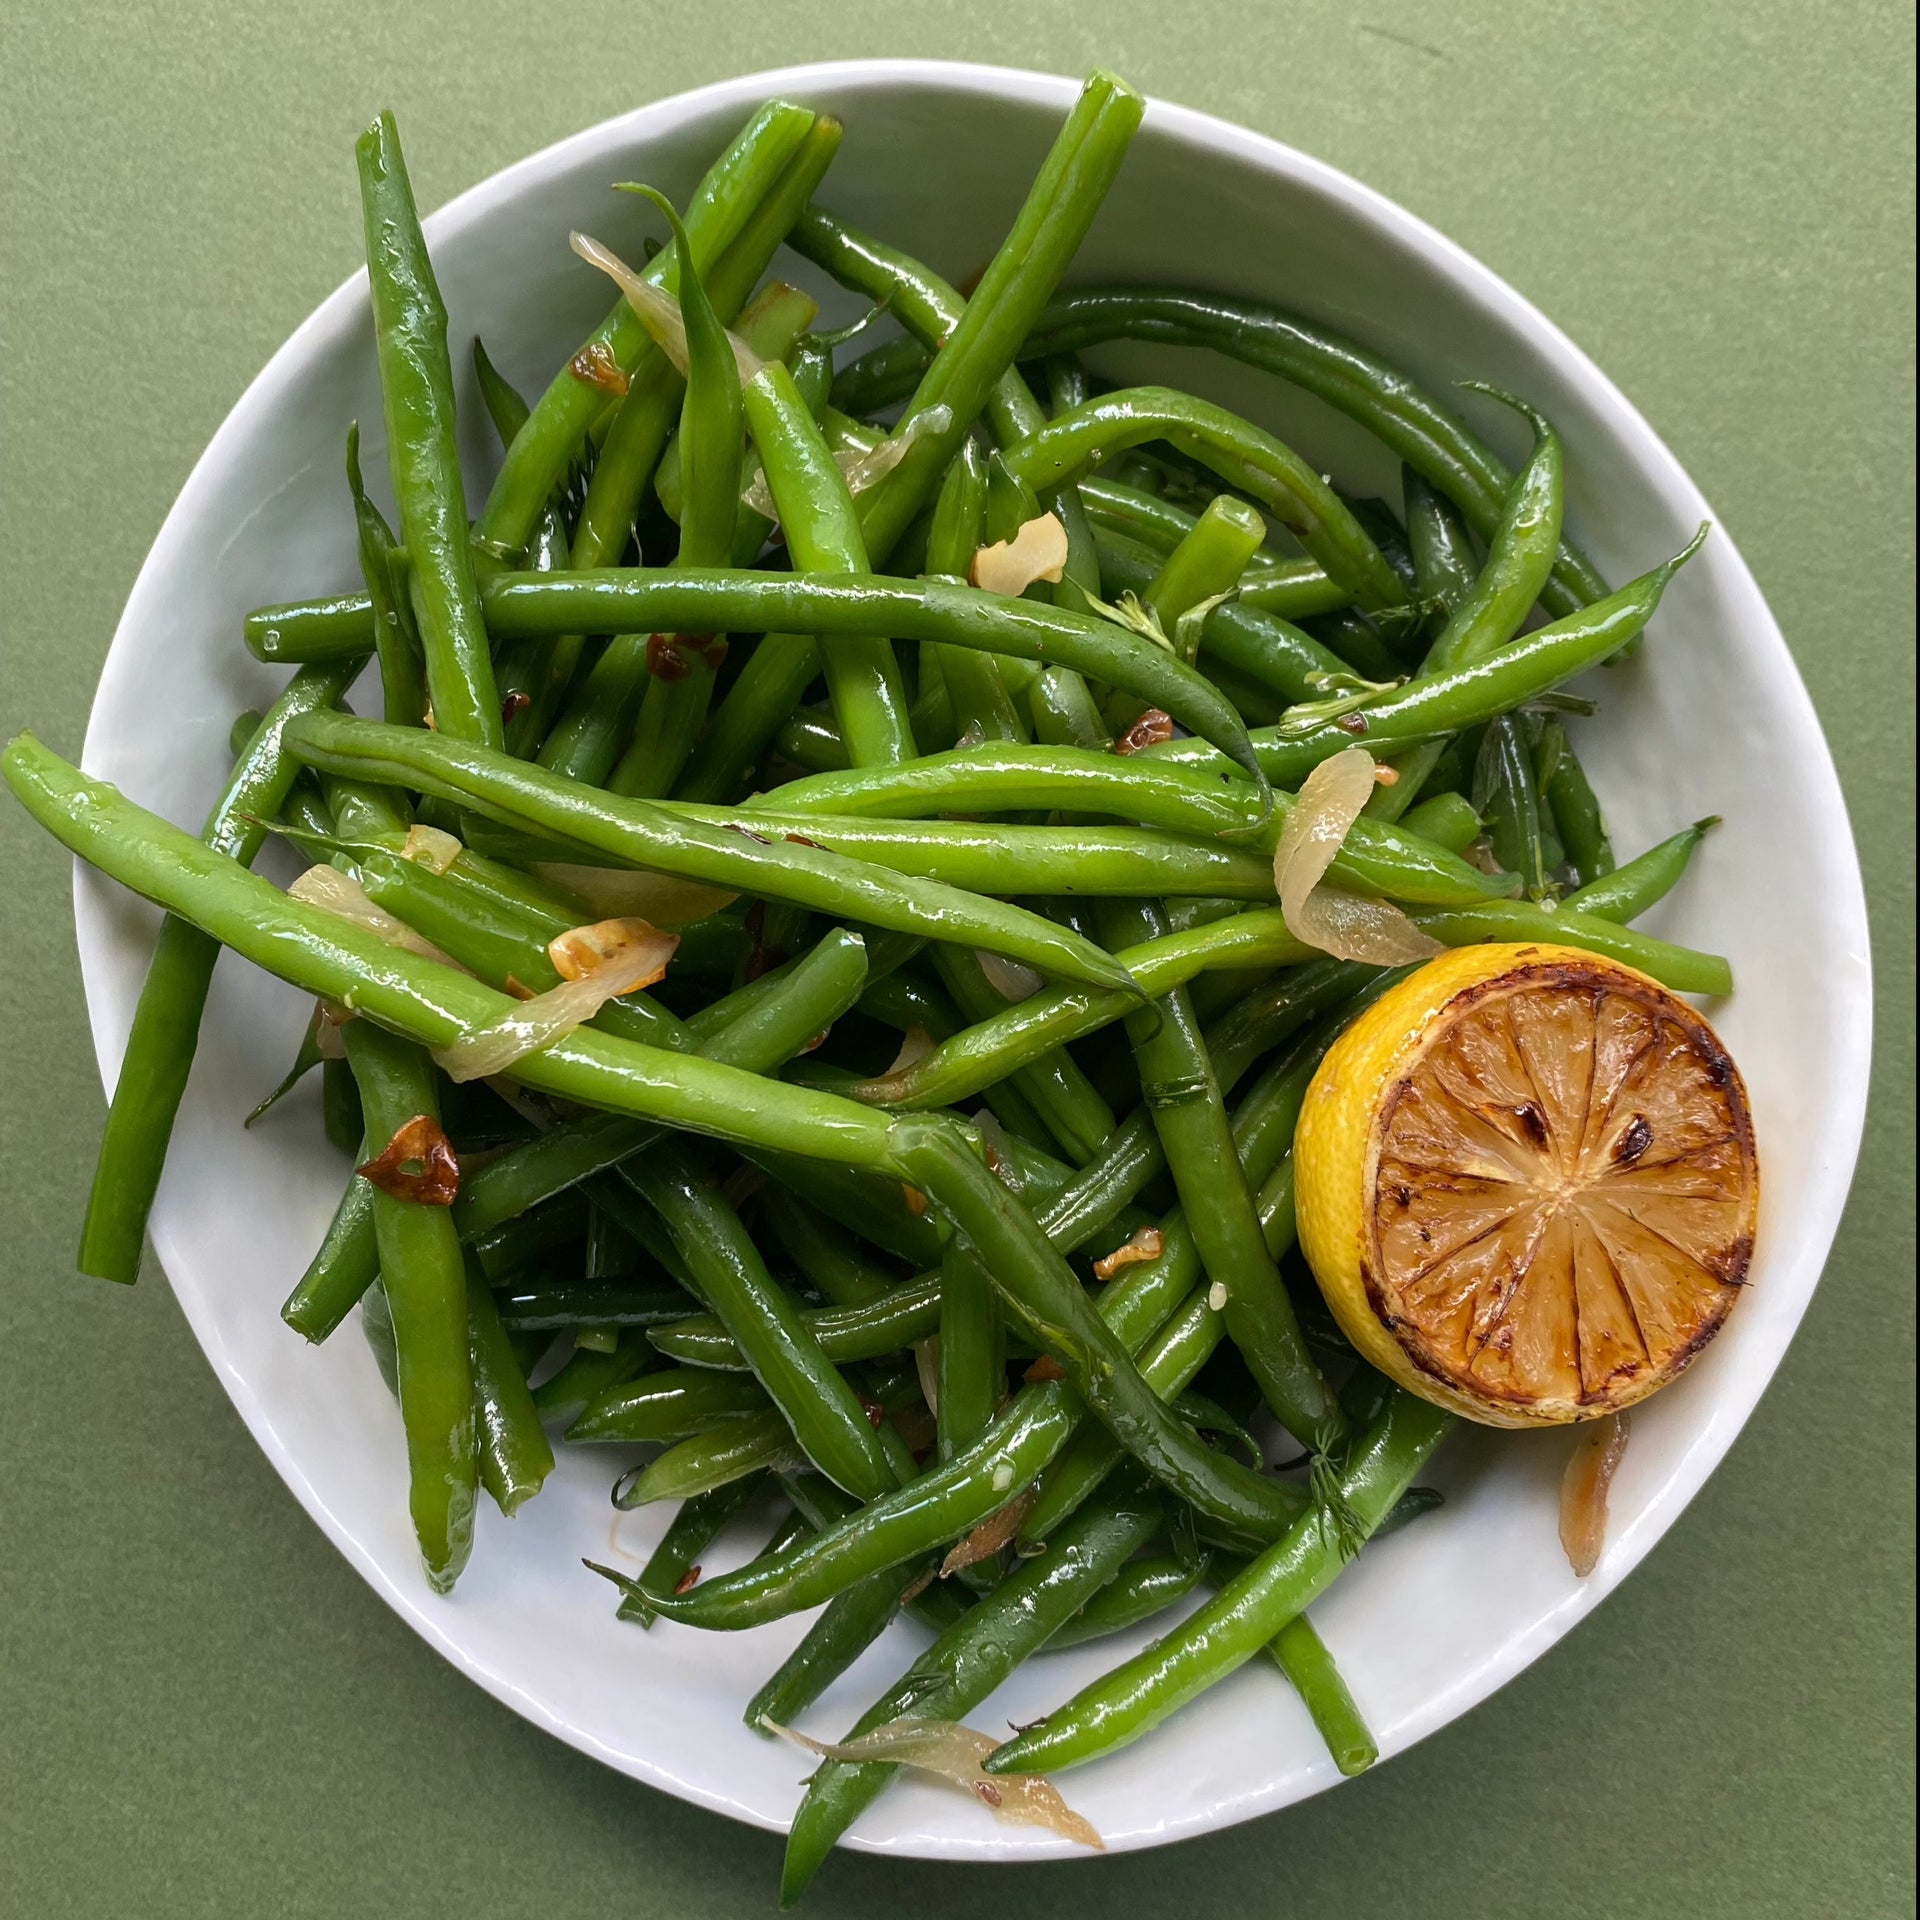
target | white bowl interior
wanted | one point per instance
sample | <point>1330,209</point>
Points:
<point>1711,718</point>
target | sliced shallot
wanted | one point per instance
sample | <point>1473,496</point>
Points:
<point>596,964</point>
<point>1583,1493</point>
<point>1342,924</point>
<point>954,1752</point>
<point>658,310</point>
<point>417,1164</point>
<point>343,896</point>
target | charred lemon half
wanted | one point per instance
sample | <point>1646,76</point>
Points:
<point>1526,1183</point>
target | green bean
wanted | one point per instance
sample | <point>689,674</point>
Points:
<point>823,534</point>
<point>978,695</point>
<point>545,1306</point>
<point>1444,567</point>
<point>847,1626</point>
<point>985,1052</point>
<point>1425,435</point>
<point>1249,1611</point>
<point>416,384</point>
<point>1183,1097</point>
<point>700,1521</point>
<point>587,1374</point>
<point>1241,634</point>
<point>589,738</point>
<point>1432,705</point>
<point>1575,811</point>
<point>345,1265</point>
<point>823,1250</point>
<point>515,1457</point>
<point>948,1499</point>
<point>712,426</point>
<point>1262,1139</point>
<point>532,679</point>
<point>1118,861</point>
<point>876,1209</point>
<point>1059,208</point>
<point>765,1322</point>
<point>1047,1077</point>
<point>1505,793</point>
<point>972,1371</point>
<point>166,1021</point>
<point>1141,1589</point>
<point>808,738</point>
<point>1298,1651</point>
<point>823,1505</point>
<point>752,1444</point>
<point>426,1291</point>
<point>862,1330</point>
<point>669,1404</point>
<point>1627,892</point>
<point>1207,563</point>
<point>1680,968</point>
<point>973,1657</point>
<point>643,600</point>
<point>1520,554</point>
<point>505,1250</point>
<point>403,667</point>
<point>1064,712</point>
<point>1040,1289</point>
<point>1448,820</point>
<point>499,938</point>
<point>734,186</point>
<point>1244,456</point>
<point>428,1002</point>
<point>670,842</point>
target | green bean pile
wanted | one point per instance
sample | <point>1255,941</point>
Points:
<point>939,1194</point>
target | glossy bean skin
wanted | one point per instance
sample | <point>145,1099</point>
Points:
<point>166,1021</point>
<point>1212,1643</point>
<point>1241,453</point>
<point>416,384</point>
<point>1628,891</point>
<point>558,426</point>
<point>676,843</point>
<point>425,1285</point>
<point>964,1666</point>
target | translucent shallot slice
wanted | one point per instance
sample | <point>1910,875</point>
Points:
<point>1342,924</point>
<point>596,964</point>
<point>953,1753</point>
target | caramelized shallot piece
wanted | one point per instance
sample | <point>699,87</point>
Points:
<point>1583,1493</point>
<point>1037,551</point>
<point>1152,729</point>
<point>417,1164</point>
<point>596,963</point>
<point>989,1536</point>
<point>1148,1243</point>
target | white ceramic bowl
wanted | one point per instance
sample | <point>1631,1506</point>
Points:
<point>1711,718</point>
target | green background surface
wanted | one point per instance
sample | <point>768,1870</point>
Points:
<point>205,1711</point>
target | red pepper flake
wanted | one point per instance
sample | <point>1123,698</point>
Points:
<point>916,1200</point>
<point>598,368</point>
<point>515,703</point>
<point>1354,723</point>
<point>417,1164</point>
<point>1152,729</point>
<point>514,985</point>
<point>801,840</point>
<point>1044,1369</point>
<point>875,1412</point>
<point>687,1580</point>
<point>665,661</point>
<point>987,1791</point>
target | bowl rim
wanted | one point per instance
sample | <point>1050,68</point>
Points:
<point>1478,286</point>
